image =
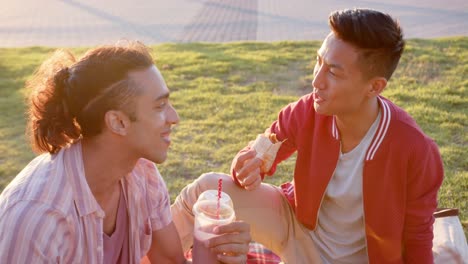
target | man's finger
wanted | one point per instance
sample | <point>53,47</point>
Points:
<point>250,165</point>
<point>251,153</point>
<point>241,160</point>
<point>254,185</point>
<point>233,227</point>
<point>251,177</point>
<point>230,238</point>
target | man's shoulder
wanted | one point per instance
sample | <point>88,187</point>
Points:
<point>404,127</point>
<point>38,183</point>
<point>401,119</point>
<point>29,178</point>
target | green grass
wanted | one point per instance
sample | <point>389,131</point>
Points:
<point>227,93</point>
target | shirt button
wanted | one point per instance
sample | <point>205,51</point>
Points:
<point>99,248</point>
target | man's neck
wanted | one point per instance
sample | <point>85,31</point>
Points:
<point>354,126</point>
<point>105,164</point>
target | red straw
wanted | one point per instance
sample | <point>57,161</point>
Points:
<point>220,188</point>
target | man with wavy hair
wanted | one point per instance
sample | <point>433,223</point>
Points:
<point>95,195</point>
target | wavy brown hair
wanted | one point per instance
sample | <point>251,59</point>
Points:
<point>70,97</point>
<point>377,35</point>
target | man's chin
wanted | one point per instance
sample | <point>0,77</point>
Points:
<point>319,109</point>
<point>159,159</point>
<point>322,111</point>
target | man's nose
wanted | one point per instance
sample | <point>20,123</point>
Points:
<point>317,82</point>
<point>173,116</point>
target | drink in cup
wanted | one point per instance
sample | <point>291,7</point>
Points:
<point>209,214</point>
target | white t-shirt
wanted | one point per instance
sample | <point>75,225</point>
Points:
<point>340,234</point>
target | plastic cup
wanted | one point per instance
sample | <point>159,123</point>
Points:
<point>212,195</point>
<point>207,218</point>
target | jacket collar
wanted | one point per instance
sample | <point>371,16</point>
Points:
<point>381,130</point>
<point>335,133</point>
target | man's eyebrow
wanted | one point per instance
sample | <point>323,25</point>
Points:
<point>162,96</point>
<point>331,65</point>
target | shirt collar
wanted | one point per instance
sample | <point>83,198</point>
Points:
<point>84,199</point>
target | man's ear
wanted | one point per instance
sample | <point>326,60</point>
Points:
<point>117,122</point>
<point>377,85</point>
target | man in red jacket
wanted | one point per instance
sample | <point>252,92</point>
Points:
<point>366,177</point>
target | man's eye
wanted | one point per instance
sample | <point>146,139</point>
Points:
<point>161,105</point>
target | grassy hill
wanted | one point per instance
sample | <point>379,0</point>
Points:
<point>226,94</point>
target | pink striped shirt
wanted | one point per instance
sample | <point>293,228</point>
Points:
<point>48,213</point>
